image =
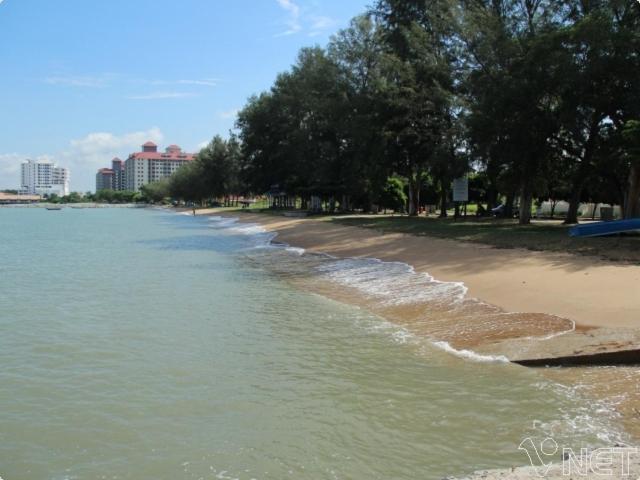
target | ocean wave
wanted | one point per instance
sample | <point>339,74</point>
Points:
<point>395,283</point>
<point>469,354</point>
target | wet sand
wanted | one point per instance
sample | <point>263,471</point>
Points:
<point>589,291</point>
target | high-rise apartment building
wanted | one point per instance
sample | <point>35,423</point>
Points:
<point>149,165</point>
<point>104,179</point>
<point>119,182</point>
<point>111,178</point>
<point>44,178</point>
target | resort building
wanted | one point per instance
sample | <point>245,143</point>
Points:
<point>112,178</point>
<point>118,183</point>
<point>104,179</point>
<point>44,178</point>
<point>11,199</point>
<point>149,165</point>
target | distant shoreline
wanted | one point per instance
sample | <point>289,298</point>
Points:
<point>77,205</point>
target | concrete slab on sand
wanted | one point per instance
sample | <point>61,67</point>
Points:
<point>584,347</point>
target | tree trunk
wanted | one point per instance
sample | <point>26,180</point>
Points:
<point>584,171</point>
<point>632,202</point>
<point>553,208</point>
<point>414,196</point>
<point>344,205</point>
<point>574,204</point>
<point>508,205</point>
<point>492,198</point>
<point>526,200</point>
<point>332,204</point>
<point>444,196</point>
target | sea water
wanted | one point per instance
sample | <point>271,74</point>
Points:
<point>139,343</point>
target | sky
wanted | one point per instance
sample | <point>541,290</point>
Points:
<point>84,81</point>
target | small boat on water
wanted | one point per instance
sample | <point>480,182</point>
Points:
<point>54,208</point>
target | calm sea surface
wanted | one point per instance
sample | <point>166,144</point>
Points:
<point>140,344</point>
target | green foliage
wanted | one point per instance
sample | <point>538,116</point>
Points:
<point>392,196</point>
<point>534,100</point>
<point>116,196</point>
<point>215,173</point>
<point>156,192</point>
<point>631,137</point>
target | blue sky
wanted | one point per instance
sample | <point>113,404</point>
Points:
<point>84,81</point>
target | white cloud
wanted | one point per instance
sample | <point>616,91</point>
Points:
<point>77,81</point>
<point>207,82</point>
<point>102,146</point>
<point>304,19</point>
<point>293,20</point>
<point>201,82</point>
<point>161,95</point>
<point>124,81</point>
<point>95,150</point>
<point>10,168</point>
<point>320,24</point>
<point>233,113</point>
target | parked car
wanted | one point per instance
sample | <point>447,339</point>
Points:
<point>500,211</point>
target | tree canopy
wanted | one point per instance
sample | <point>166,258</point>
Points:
<point>535,99</point>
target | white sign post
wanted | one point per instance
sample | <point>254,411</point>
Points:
<point>461,189</point>
<point>461,192</point>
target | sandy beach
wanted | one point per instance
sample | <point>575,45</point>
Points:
<point>591,292</point>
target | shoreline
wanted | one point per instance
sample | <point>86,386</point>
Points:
<point>516,280</point>
<point>569,302</point>
<point>557,330</point>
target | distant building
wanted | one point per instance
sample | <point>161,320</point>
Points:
<point>149,165</point>
<point>119,181</point>
<point>104,179</point>
<point>9,199</point>
<point>44,178</point>
<point>113,178</point>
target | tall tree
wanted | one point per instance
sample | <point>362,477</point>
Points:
<point>418,88</point>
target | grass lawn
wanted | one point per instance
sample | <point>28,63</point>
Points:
<point>539,236</point>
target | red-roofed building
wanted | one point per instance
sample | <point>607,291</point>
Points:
<point>149,165</point>
<point>104,179</point>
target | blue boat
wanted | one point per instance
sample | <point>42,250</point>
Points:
<point>605,228</point>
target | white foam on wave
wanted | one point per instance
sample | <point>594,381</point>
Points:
<point>262,239</point>
<point>558,334</point>
<point>395,283</point>
<point>469,354</point>
<point>584,416</point>
<point>297,250</point>
<point>222,222</point>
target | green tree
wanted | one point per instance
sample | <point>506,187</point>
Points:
<point>156,191</point>
<point>631,137</point>
<point>392,196</point>
<point>417,93</point>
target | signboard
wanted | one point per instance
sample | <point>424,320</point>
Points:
<point>461,189</point>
